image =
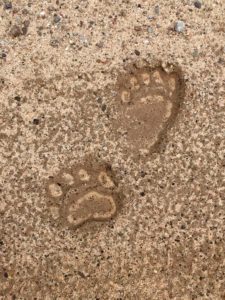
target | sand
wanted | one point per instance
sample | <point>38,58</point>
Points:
<point>62,67</point>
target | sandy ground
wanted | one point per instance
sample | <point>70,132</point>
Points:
<point>60,62</point>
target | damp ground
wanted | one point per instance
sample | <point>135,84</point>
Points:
<point>77,81</point>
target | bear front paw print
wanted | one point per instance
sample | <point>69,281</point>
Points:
<point>86,192</point>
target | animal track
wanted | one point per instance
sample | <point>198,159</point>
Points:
<point>148,101</point>
<point>83,193</point>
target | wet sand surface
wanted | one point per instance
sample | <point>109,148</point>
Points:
<point>112,148</point>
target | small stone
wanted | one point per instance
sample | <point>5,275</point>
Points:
<point>7,4</point>
<point>195,53</point>
<point>150,30</point>
<point>179,26</point>
<point>100,45</point>
<point>143,174</point>
<point>25,27</point>
<point>2,55</point>
<point>198,4</point>
<point>56,18</point>
<point>221,61</point>
<point>103,107</point>
<point>137,28</point>
<point>15,31</point>
<point>54,43</point>
<point>25,11</point>
<point>42,14</point>
<point>36,121</point>
<point>137,52</point>
<point>17,98</point>
<point>157,10</point>
<point>99,100</point>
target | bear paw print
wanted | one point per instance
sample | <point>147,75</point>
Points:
<point>83,193</point>
<point>147,103</point>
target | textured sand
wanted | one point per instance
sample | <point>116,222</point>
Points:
<point>167,239</point>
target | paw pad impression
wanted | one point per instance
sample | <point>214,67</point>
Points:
<point>83,193</point>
